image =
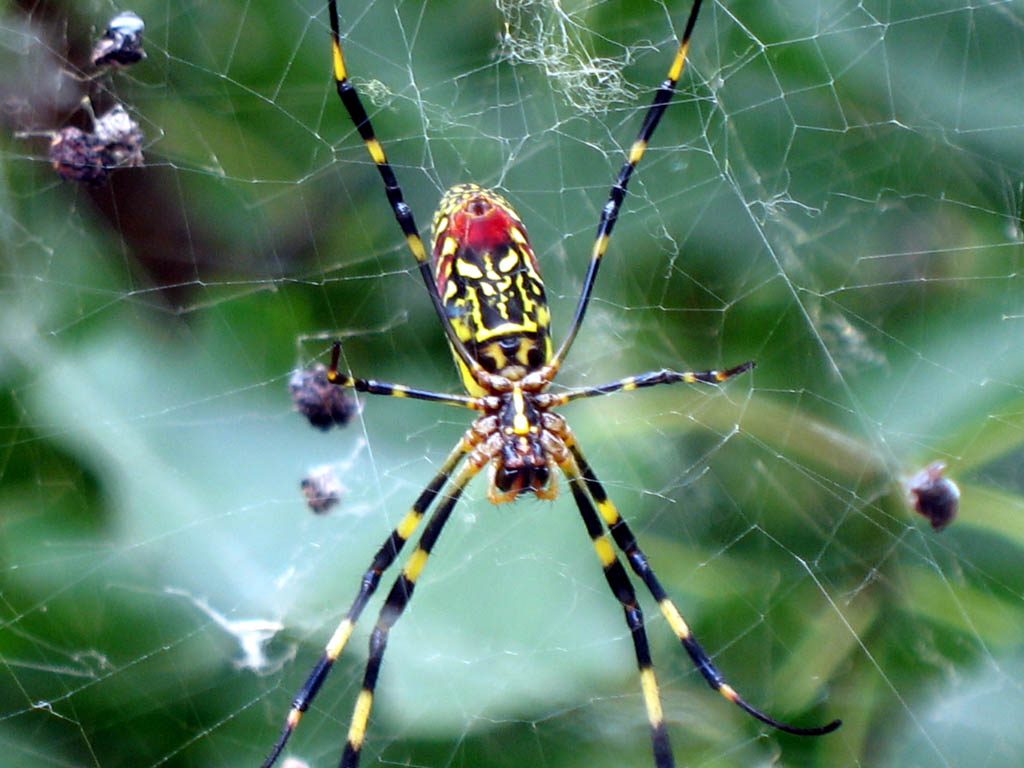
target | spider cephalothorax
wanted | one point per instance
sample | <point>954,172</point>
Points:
<point>521,442</point>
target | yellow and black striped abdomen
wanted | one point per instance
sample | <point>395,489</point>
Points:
<point>490,284</point>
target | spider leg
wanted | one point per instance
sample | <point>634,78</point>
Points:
<point>623,590</point>
<point>649,379</point>
<point>610,212</point>
<point>381,562</point>
<point>403,213</point>
<point>626,542</point>
<point>375,387</point>
<point>394,605</point>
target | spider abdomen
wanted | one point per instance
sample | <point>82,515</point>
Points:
<point>490,284</point>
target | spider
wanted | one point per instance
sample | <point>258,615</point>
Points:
<point>483,279</point>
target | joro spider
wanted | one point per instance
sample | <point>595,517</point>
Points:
<point>485,284</point>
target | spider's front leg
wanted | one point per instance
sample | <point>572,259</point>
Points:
<point>385,556</point>
<point>627,543</point>
<point>618,582</point>
<point>401,592</point>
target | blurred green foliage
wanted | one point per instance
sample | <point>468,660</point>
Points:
<point>836,193</point>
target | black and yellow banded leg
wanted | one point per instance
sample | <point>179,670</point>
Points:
<point>375,387</point>
<point>394,605</point>
<point>403,213</point>
<point>368,585</point>
<point>623,590</point>
<point>650,379</point>
<point>610,212</point>
<point>626,541</point>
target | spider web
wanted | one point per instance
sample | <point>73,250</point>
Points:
<point>836,192</point>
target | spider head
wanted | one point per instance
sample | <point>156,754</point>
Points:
<point>522,464</point>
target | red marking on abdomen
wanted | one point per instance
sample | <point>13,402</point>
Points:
<point>480,225</point>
